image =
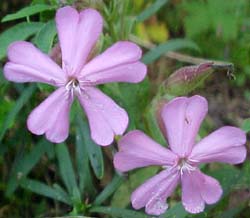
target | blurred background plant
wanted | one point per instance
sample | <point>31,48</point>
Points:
<point>40,179</point>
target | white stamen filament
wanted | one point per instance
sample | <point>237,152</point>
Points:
<point>73,87</point>
<point>184,165</point>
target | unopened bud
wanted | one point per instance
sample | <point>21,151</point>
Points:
<point>186,79</point>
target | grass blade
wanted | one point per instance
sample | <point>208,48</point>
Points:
<point>25,165</point>
<point>94,150</point>
<point>109,189</point>
<point>45,37</point>
<point>66,168</point>
<point>151,10</point>
<point>118,212</point>
<point>45,190</point>
<point>83,168</point>
<point>28,11</point>
<point>22,100</point>
<point>176,211</point>
<point>171,45</point>
<point>20,31</point>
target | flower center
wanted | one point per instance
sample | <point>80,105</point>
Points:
<point>184,165</point>
<point>73,86</point>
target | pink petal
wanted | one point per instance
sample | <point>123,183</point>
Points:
<point>224,145</point>
<point>118,63</point>
<point>120,53</point>
<point>138,150</point>
<point>211,190</point>
<point>67,19</point>
<point>131,73</point>
<point>29,64</point>
<point>78,33</point>
<point>198,188</point>
<point>191,196</point>
<point>105,117</point>
<point>182,118</point>
<point>154,192</point>
<point>52,116</point>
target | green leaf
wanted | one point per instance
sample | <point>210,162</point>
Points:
<point>20,31</point>
<point>213,15</point>
<point>82,162</point>
<point>231,213</point>
<point>21,101</point>
<point>244,180</point>
<point>231,179</point>
<point>66,168</point>
<point>25,164</point>
<point>45,37</point>
<point>133,98</point>
<point>94,150</point>
<point>176,211</point>
<point>28,11</point>
<point>153,127</point>
<point>62,192</point>
<point>246,125</point>
<point>118,212</point>
<point>109,189</point>
<point>121,197</point>
<point>228,176</point>
<point>45,190</point>
<point>151,10</point>
<point>171,45</point>
<point>197,19</point>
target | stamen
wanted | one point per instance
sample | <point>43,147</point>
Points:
<point>184,165</point>
<point>73,86</point>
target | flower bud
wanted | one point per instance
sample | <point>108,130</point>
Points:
<point>186,79</point>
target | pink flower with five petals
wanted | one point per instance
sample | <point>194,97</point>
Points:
<point>78,33</point>
<point>182,118</point>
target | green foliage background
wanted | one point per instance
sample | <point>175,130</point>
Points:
<point>41,179</point>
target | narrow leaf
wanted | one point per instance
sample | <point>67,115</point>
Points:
<point>82,162</point>
<point>150,115</point>
<point>25,165</point>
<point>28,11</point>
<point>45,37</point>
<point>171,45</point>
<point>246,125</point>
<point>176,211</point>
<point>228,176</point>
<point>94,150</point>
<point>151,10</point>
<point>62,192</point>
<point>245,178</point>
<point>45,190</point>
<point>118,212</point>
<point>66,168</point>
<point>20,31</point>
<point>21,101</point>
<point>232,212</point>
<point>121,197</point>
<point>109,189</point>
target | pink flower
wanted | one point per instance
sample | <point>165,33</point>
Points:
<point>181,118</point>
<point>78,33</point>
